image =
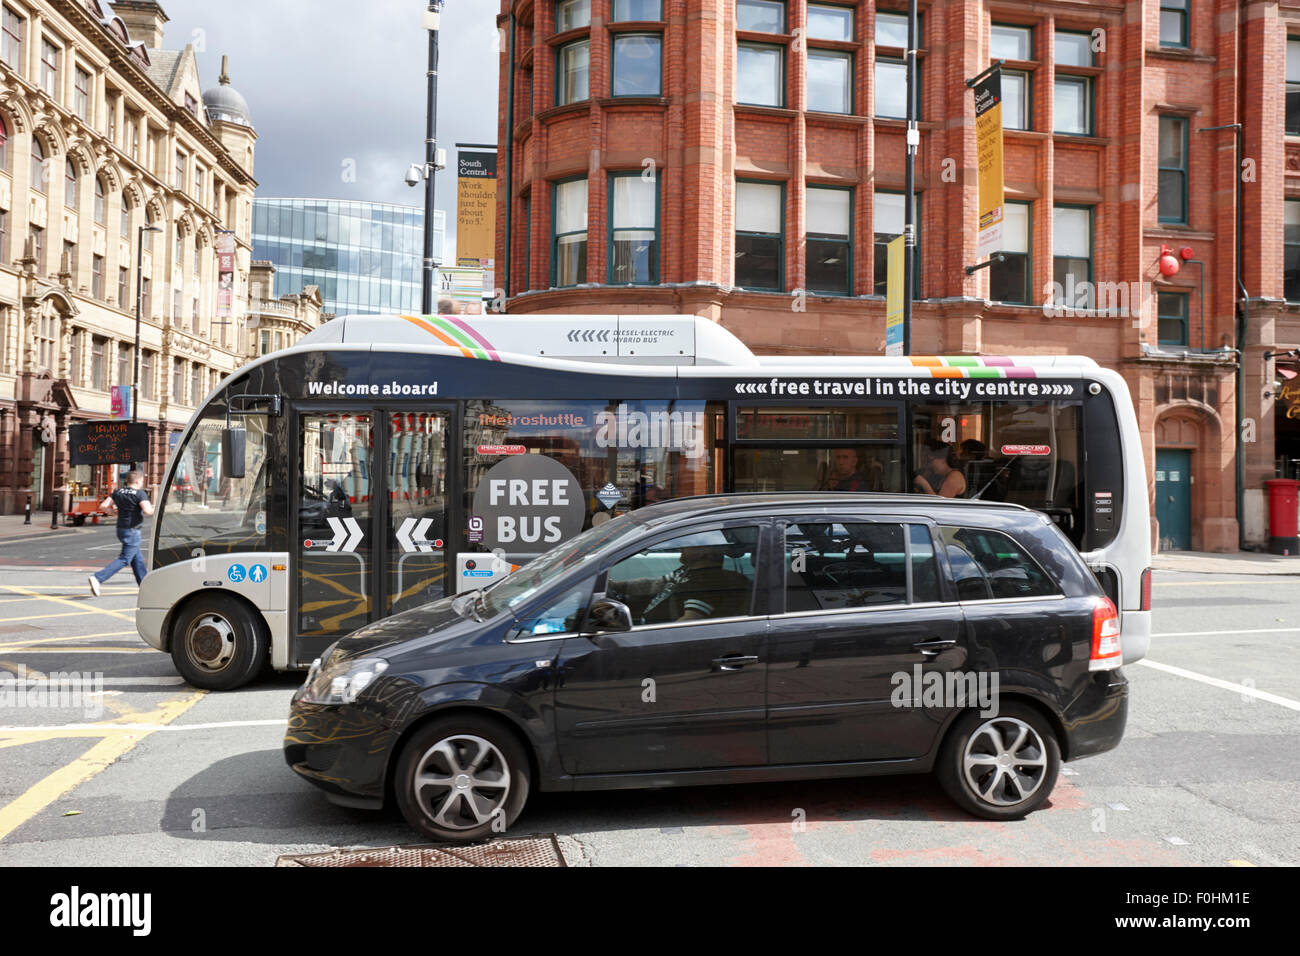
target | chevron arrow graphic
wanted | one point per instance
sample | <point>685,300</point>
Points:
<point>356,532</point>
<point>340,534</point>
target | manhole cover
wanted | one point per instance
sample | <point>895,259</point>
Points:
<point>531,851</point>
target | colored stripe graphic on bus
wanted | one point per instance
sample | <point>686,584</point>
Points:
<point>449,334</point>
<point>971,366</point>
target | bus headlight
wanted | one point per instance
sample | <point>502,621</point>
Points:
<point>341,683</point>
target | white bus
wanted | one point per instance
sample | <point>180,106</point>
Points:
<point>388,461</point>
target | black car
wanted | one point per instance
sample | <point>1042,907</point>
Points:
<point>727,640</point>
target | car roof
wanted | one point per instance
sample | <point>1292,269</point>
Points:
<point>812,501</point>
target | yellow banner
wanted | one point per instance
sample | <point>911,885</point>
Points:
<point>894,297</point>
<point>988,139</point>
<point>476,210</point>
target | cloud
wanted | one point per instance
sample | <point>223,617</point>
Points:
<point>330,81</point>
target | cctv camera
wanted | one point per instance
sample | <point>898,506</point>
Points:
<point>413,175</point>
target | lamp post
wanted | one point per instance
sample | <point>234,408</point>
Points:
<point>139,286</point>
<point>430,22</point>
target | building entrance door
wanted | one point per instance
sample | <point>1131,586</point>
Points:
<point>1174,498</point>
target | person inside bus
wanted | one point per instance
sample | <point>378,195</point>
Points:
<point>845,472</point>
<point>940,472</point>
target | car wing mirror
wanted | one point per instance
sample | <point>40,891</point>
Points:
<point>607,615</point>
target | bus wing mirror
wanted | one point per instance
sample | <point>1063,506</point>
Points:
<point>233,441</point>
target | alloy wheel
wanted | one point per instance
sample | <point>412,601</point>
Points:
<point>1005,761</point>
<point>461,782</point>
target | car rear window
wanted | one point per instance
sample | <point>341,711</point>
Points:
<point>989,565</point>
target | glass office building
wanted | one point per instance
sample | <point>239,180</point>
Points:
<point>364,256</point>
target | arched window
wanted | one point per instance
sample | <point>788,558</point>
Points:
<point>37,175</point>
<point>100,212</point>
<point>4,144</point>
<point>70,184</point>
<point>124,226</point>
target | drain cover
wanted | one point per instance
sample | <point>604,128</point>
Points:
<point>530,851</point>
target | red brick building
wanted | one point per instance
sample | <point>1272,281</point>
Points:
<point>743,160</point>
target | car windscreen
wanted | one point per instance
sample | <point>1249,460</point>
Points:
<point>521,586</point>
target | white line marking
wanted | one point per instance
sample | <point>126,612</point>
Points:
<point>111,682</point>
<point>1257,630</point>
<point>148,727</point>
<point>1225,685</point>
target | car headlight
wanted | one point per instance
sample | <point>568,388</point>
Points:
<point>340,683</point>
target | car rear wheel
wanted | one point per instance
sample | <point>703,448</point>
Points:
<point>461,779</point>
<point>218,643</point>
<point>1003,767</point>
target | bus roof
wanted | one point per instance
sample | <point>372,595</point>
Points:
<point>672,340</point>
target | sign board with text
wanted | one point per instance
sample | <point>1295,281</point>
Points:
<point>108,443</point>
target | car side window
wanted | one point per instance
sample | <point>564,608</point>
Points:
<point>698,576</point>
<point>561,616</point>
<point>990,565</point>
<point>831,565</point>
<point>925,568</point>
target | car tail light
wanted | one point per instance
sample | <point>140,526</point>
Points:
<point>1146,590</point>
<point>1107,652</point>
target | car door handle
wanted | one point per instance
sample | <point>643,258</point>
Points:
<point>734,662</point>
<point>932,648</point>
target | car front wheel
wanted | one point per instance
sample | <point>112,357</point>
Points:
<point>1003,767</point>
<point>461,779</point>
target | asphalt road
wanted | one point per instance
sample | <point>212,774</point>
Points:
<point>149,771</point>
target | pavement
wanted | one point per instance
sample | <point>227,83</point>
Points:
<point>1234,562</point>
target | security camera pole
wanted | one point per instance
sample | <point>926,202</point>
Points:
<point>430,23</point>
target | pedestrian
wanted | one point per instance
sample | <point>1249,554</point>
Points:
<point>131,504</point>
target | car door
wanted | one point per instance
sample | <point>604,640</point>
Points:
<point>684,689</point>
<point>863,628</point>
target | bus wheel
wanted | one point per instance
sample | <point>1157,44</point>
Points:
<point>218,643</point>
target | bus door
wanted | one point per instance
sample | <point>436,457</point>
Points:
<point>371,519</point>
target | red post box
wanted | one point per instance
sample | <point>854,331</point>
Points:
<point>1283,516</point>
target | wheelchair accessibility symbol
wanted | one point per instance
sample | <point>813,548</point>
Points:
<point>236,573</point>
<point>257,573</point>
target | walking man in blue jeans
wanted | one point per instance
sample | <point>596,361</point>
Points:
<point>131,504</point>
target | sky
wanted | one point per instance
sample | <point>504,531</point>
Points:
<point>337,87</point>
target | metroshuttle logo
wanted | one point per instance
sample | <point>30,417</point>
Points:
<point>75,909</point>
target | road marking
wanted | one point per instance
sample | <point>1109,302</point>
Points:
<point>52,533</point>
<point>64,640</point>
<point>113,728</point>
<point>39,617</point>
<point>79,649</point>
<point>1240,863</point>
<point>92,682</point>
<point>81,606</point>
<point>122,588</point>
<point>1199,584</point>
<point>1224,684</point>
<point>1255,630</point>
<point>101,755</point>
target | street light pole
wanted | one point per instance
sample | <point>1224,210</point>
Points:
<point>430,23</point>
<point>139,286</point>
